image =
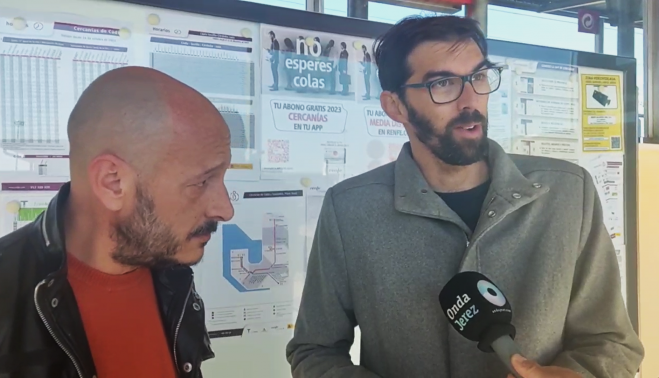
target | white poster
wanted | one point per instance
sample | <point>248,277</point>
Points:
<point>315,195</point>
<point>538,109</point>
<point>553,148</point>
<point>621,254</point>
<point>46,61</point>
<point>321,108</point>
<point>252,272</point>
<point>499,114</point>
<point>22,203</point>
<point>218,58</point>
<point>607,170</point>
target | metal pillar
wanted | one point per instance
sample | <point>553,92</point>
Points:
<point>358,9</point>
<point>599,38</point>
<point>478,11</point>
<point>623,14</point>
<point>651,68</point>
<point>317,6</point>
<point>626,35</point>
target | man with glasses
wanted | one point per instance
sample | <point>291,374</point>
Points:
<point>387,241</point>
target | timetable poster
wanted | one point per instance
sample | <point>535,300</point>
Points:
<point>46,62</point>
<point>545,109</point>
<point>498,108</point>
<point>621,254</point>
<point>320,100</point>
<point>219,59</point>
<point>607,171</point>
<point>316,188</point>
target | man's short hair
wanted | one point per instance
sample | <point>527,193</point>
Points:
<point>392,49</point>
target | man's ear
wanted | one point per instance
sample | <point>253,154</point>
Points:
<point>112,181</point>
<point>394,107</point>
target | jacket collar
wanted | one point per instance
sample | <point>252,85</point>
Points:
<point>509,189</point>
<point>52,234</point>
<point>173,287</point>
<point>51,227</point>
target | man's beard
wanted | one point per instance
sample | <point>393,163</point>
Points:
<point>444,145</point>
<point>143,240</point>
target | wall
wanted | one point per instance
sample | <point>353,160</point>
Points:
<point>648,259</point>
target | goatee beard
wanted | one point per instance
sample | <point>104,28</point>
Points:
<point>444,145</point>
<point>143,240</point>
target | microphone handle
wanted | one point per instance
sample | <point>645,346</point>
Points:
<point>505,347</point>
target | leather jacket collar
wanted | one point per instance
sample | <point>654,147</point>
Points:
<point>181,307</point>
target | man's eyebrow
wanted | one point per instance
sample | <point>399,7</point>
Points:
<point>210,170</point>
<point>484,64</point>
<point>438,74</point>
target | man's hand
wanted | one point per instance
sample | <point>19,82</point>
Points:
<point>530,369</point>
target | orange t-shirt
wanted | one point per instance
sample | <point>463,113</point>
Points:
<point>122,322</point>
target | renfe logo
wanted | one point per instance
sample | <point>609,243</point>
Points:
<point>468,314</point>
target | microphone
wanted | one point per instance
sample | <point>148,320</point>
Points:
<point>479,311</point>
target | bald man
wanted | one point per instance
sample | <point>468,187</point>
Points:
<point>100,284</point>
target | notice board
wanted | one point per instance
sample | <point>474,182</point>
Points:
<point>300,94</point>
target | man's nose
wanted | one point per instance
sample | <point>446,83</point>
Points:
<point>221,207</point>
<point>469,98</point>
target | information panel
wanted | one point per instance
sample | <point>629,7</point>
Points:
<point>304,112</point>
<point>302,107</point>
<point>320,100</point>
<point>253,263</point>
<point>220,60</point>
<point>45,64</point>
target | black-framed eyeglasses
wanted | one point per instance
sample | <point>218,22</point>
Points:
<point>448,89</point>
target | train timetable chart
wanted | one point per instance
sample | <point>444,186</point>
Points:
<point>88,65</point>
<point>44,68</point>
<point>29,88</point>
<point>218,60</point>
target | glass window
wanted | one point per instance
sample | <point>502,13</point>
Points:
<point>292,4</point>
<point>336,7</point>
<point>611,48</point>
<point>534,28</point>
<point>639,54</point>
<point>610,40</point>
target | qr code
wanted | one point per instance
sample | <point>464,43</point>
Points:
<point>278,151</point>
<point>615,142</point>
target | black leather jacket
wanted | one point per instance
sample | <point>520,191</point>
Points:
<point>41,332</point>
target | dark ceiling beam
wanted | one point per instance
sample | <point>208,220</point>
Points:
<point>567,8</point>
<point>563,5</point>
<point>514,4</point>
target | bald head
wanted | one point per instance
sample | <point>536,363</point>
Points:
<point>148,159</point>
<point>139,115</point>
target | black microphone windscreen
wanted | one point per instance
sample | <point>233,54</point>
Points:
<point>473,305</point>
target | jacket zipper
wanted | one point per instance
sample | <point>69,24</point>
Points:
<point>52,333</point>
<point>178,325</point>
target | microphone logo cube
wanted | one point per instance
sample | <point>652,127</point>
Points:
<point>473,303</point>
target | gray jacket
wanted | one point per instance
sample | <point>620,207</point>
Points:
<point>386,244</point>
